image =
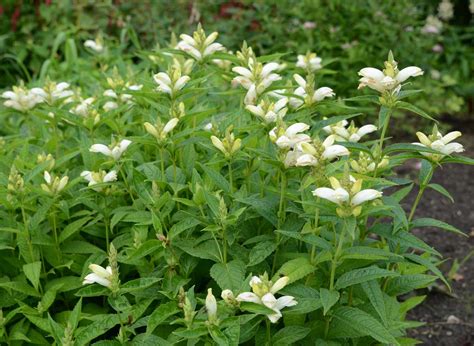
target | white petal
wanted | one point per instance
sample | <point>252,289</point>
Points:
<point>94,278</point>
<point>279,284</point>
<point>452,148</point>
<point>407,72</point>
<point>334,151</point>
<point>285,301</point>
<point>269,68</point>
<point>100,148</point>
<point>47,177</point>
<point>170,125</point>
<point>124,144</point>
<point>87,175</point>
<point>372,73</point>
<point>365,195</point>
<point>300,80</point>
<point>366,129</point>
<point>326,193</point>
<point>111,176</point>
<point>306,160</point>
<point>181,82</point>
<point>296,128</point>
<point>451,137</point>
<point>269,300</point>
<point>322,93</point>
<point>9,95</point>
<point>248,297</point>
<point>242,71</point>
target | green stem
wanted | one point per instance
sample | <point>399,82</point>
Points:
<point>231,179</point>
<point>224,238</point>
<point>335,259</point>
<point>162,163</point>
<point>423,186</point>
<point>281,215</point>
<point>27,231</point>
<point>382,138</point>
<point>316,222</point>
<point>269,335</point>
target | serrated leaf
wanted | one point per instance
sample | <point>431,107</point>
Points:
<point>429,222</point>
<point>289,335</point>
<point>72,228</point>
<point>407,283</point>
<point>260,252</point>
<point>160,315</point>
<point>20,287</point>
<point>429,265</point>
<point>138,284</point>
<point>367,253</point>
<point>328,299</point>
<point>93,290</point>
<point>376,297</point>
<point>362,322</point>
<point>358,276</point>
<point>32,272</point>
<point>229,275</point>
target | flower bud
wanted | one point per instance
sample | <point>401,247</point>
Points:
<point>211,306</point>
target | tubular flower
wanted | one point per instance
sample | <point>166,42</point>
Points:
<point>348,195</point>
<point>229,145</point>
<point>432,26</point>
<point>256,78</point>
<point>84,107</point>
<point>211,306</point>
<point>289,138</point>
<point>445,10</point>
<point>54,185</point>
<point>263,293</point>
<point>114,151</point>
<point>99,275</point>
<point>313,154</point>
<point>199,46</point>
<point>172,82</point>
<point>390,79</point>
<point>269,112</point>
<point>21,99</point>
<point>53,92</point>
<point>438,142</point>
<point>160,131</point>
<point>122,97</point>
<point>96,45</point>
<point>100,177</point>
<point>310,62</point>
<point>366,164</point>
<point>342,133</point>
<point>306,94</point>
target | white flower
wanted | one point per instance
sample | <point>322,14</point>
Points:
<point>432,26</point>
<point>160,131</point>
<point>211,306</point>
<point>471,6</point>
<point>307,94</point>
<point>199,46</point>
<point>122,97</point>
<point>263,293</point>
<point>21,99</point>
<point>256,78</point>
<point>388,80</point>
<point>96,45</point>
<point>229,145</point>
<point>54,185</point>
<point>309,62</point>
<point>53,92</point>
<point>341,132</point>
<point>208,127</point>
<point>84,107</point>
<point>269,112</point>
<point>95,178</point>
<point>170,83</point>
<point>291,136</point>
<point>438,142</point>
<point>307,154</point>
<point>114,151</point>
<point>99,275</point>
<point>110,105</point>
<point>445,10</point>
<point>350,196</point>
<point>366,164</point>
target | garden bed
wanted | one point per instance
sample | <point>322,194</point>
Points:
<point>440,305</point>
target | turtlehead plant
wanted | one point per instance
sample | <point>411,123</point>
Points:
<point>199,46</point>
<point>309,62</point>
<point>347,194</point>
<point>306,94</point>
<point>96,45</point>
<point>390,79</point>
<point>114,151</point>
<point>442,144</point>
<point>341,132</point>
<point>223,184</point>
<point>263,293</point>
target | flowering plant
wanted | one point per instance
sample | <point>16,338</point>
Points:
<point>231,182</point>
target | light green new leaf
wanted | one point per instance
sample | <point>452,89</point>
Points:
<point>295,269</point>
<point>32,272</point>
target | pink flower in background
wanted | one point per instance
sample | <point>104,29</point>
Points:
<point>309,25</point>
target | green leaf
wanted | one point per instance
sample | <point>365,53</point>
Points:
<point>217,178</point>
<point>429,222</point>
<point>355,319</point>
<point>358,276</point>
<point>75,315</point>
<point>72,228</point>
<point>32,272</point>
<point>367,253</point>
<point>229,275</point>
<point>260,252</point>
<point>412,108</point>
<point>428,264</point>
<point>255,308</point>
<point>101,325</point>
<point>304,306</point>
<point>295,269</point>
<point>93,290</point>
<point>21,287</point>
<point>328,299</point>
<point>138,284</point>
<point>160,315</point>
<point>441,190</point>
<point>407,283</point>
<point>265,207</point>
<point>376,297</point>
<point>289,335</point>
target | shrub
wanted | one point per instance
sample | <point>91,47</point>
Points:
<point>129,205</point>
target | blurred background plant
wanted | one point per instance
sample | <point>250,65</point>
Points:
<point>38,36</point>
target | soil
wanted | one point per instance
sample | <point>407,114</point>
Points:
<point>449,317</point>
